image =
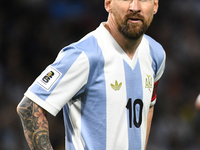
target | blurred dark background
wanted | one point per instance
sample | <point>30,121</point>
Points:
<point>32,32</point>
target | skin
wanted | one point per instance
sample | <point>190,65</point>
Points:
<point>149,120</point>
<point>135,14</point>
<point>35,125</point>
<point>127,22</point>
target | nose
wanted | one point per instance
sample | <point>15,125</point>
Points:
<point>135,6</point>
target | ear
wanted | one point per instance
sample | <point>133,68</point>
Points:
<point>155,6</point>
<point>108,5</point>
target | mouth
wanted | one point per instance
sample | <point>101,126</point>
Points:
<point>135,20</point>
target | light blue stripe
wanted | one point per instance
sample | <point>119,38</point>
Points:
<point>93,100</point>
<point>134,91</point>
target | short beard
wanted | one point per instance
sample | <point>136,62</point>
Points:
<point>134,32</point>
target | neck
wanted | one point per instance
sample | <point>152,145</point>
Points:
<point>128,45</point>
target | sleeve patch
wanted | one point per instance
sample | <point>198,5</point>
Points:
<point>48,78</point>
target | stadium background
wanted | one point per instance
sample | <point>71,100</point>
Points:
<point>32,32</point>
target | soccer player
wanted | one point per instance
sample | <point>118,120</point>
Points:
<point>105,83</point>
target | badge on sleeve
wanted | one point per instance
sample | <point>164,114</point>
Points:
<point>48,78</point>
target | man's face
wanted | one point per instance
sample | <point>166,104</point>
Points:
<point>133,17</point>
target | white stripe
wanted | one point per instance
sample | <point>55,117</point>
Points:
<point>146,69</point>
<point>117,133</point>
<point>117,138</point>
<point>161,70</point>
<point>75,118</point>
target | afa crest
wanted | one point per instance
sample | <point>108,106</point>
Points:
<point>148,82</point>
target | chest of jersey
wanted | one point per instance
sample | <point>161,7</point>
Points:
<point>117,97</point>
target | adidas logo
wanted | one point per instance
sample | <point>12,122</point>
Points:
<point>117,86</point>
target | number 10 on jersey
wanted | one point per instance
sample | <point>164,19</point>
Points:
<point>135,112</point>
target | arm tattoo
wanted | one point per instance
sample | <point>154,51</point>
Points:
<point>35,125</point>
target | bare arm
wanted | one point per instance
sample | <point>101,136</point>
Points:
<point>35,125</point>
<point>149,120</point>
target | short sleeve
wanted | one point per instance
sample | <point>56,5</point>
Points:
<point>60,81</point>
<point>158,75</point>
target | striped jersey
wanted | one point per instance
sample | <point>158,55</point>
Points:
<point>105,95</point>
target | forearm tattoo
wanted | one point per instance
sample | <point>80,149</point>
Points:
<point>35,125</point>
